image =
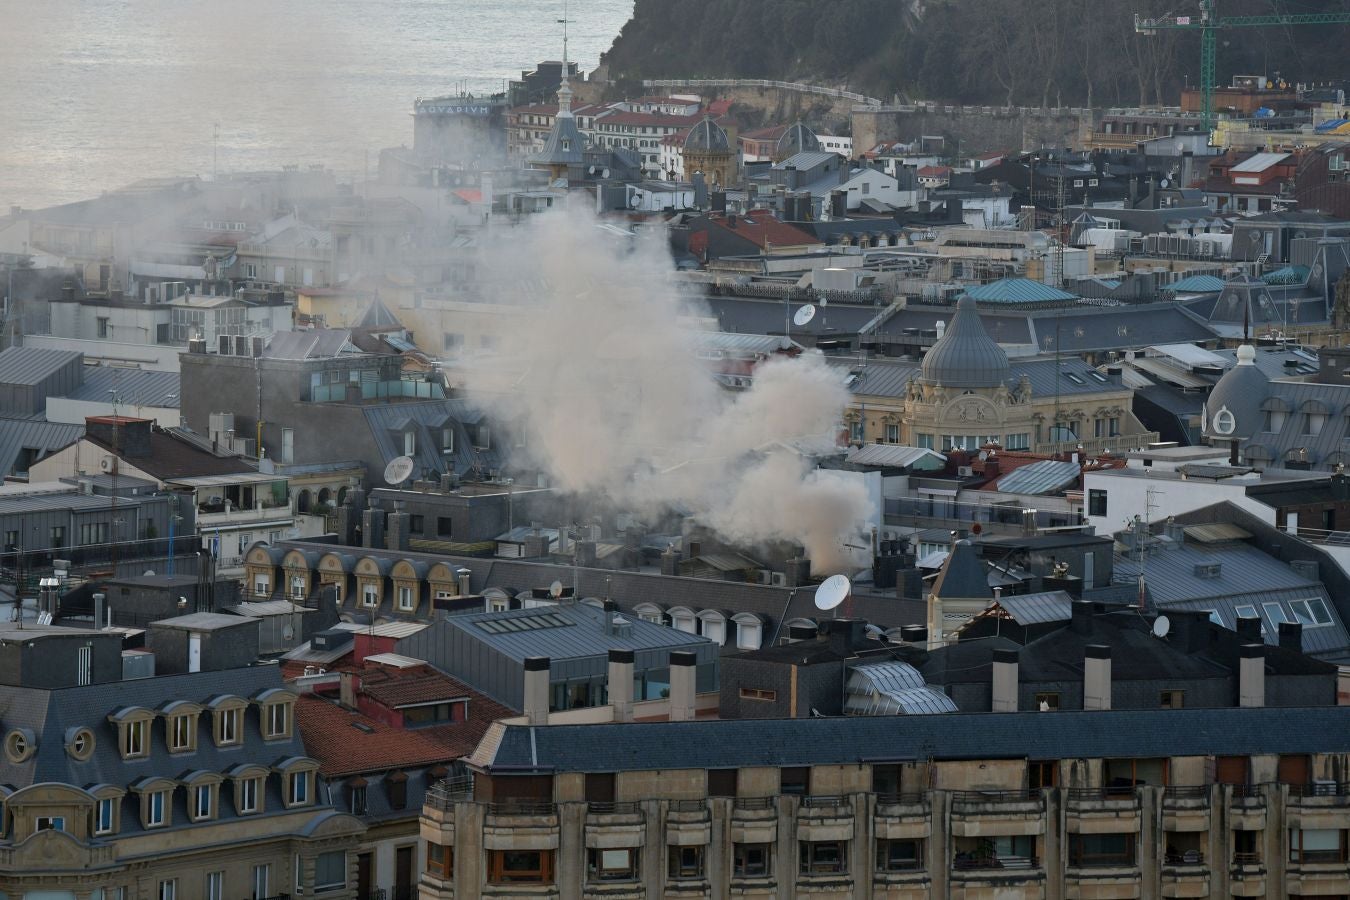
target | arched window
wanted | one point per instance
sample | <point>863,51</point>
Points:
<point>714,625</point>
<point>682,618</point>
<point>749,631</point>
<point>302,501</point>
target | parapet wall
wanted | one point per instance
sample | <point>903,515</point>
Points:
<point>978,128</point>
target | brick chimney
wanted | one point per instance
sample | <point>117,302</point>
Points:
<point>1291,636</point>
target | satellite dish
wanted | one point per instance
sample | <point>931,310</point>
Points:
<point>1161,626</point>
<point>398,470</point>
<point>832,592</point>
<point>555,590</point>
<point>804,315</point>
<point>1165,183</point>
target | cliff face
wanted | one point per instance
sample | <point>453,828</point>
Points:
<point>1028,52</point>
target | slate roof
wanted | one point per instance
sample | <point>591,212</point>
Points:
<point>742,315</point>
<point>427,418</point>
<point>965,356</point>
<point>35,434</point>
<point>31,365</point>
<point>581,633</point>
<point>1065,734</point>
<point>1034,609</point>
<point>963,575</point>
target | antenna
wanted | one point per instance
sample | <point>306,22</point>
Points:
<point>832,592</point>
<point>1161,626</point>
<point>398,470</point>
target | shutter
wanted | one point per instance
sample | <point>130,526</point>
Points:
<point>1293,770</point>
<point>1231,769</point>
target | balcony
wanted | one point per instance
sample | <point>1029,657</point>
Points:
<point>1186,807</point>
<point>1185,874</point>
<point>901,816</point>
<point>1102,809</point>
<point>754,820</point>
<point>980,813</point>
<point>263,514</point>
<point>521,825</point>
<point>990,874</point>
<point>1246,807</point>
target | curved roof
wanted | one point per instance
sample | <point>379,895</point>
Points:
<point>1241,393</point>
<point>797,139</point>
<point>707,136</point>
<point>893,688</point>
<point>966,356</point>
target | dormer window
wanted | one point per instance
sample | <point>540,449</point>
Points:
<point>227,726</point>
<point>448,439</point>
<point>275,714</point>
<point>249,781</point>
<point>133,727</point>
<point>203,801</point>
<point>278,720</point>
<point>180,734</point>
<point>105,816</point>
<point>297,788</point>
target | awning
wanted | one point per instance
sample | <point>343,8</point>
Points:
<point>937,492</point>
<point>202,481</point>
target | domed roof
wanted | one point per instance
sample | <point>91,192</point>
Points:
<point>707,137</point>
<point>1233,408</point>
<point>797,139</point>
<point>966,356</point>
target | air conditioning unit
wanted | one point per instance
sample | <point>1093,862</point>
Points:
<point>765,576</point>
<point>965,471</point>
<point>779,579</point>
<point>108,464</point>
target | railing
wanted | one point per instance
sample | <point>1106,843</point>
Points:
<point>754,803</point>
<point>610,808</point>
<point>1247,791</point>
<point>688,806</point>
<point>1246,859</point>
<point>445,794</point>
<point>823,801</point>
<point>1320,789</point>
<point>1185,858</point>
<point>995,796</point>
<point>1106,792</point>
<point>522,808</point>
<point>1186,792</point>
<point>796,86</point>
<point>995,862</point>
<point>1102,862</point>
<point>901,799</point>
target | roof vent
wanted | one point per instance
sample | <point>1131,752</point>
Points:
<point>1208,570</point>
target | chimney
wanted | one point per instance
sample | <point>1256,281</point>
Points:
<point>372,526</point>
<point>670,561</point>
<point>586,553</point>
<point>799,633</point>
<point>1291,636</point>
<point>1096,676</point>
<point>349,683</point>
<point>683,669</point>
<point>1249,629</point>
<point>396,533</point>
<point>797,571</point>
<point>1005,681</point>
<point>462,576</point>
<point>128,437</point>
<point>99,600</point>
<point>1252,675</point>
<point>621,684</point>
<point>611,610</point>
<point>1080,621</point>
<point>914,634</point>
<point>536,690</point>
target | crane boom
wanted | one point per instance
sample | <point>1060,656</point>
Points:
<point>1208,22</point>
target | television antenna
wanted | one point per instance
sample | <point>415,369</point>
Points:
<point>398,470</point>
<point>832,592</point>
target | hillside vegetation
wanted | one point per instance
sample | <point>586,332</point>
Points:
<point>1027,52</point>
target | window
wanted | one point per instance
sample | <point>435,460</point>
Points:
<point>445,526</point>
<point>1314,845</point>
<point>685,862</point>
<point>1310,613</point>
<point>823,857</point>
<point>103,816</point>
<point>262,877</point>
<point>923,440</point>
<point>330,871</point>
<point>248,795</point>
<point>405,598</point>
<point>180,733</point>
<point>1274,420</point>
<point>520,866</point>
<point>1247,847</point>
<point>50,823</point>
<point>1047,702</point>
<point>133,738</point>
<point>440,860</point>
<point>215,886</point>
<point>168,890</point>
<point>102,326</point>
<point>611,864</point>
<point>795,780</point>
<point>90,533</point>
<point>277,720</point>
<point>899,855</point>
<point>298,789</point>
<point>370,595</point>
<point>758,694</point>
<point>288,445</point>
<point>1249,612</point>
<point>202,797</point>
<point>1313,423</point>
<point>417,524</point>
<point>1171,699</point>
<point>750,860</point>
<point>1042,774</point>
<point>358,798</point>
<point>1101,849</point>
<point>1096,502</point>
<point>1019,441</point>
<point>722,782</point>
<point>892,434</point>
<point>58,537</point>
<point>448,439</point>
<point>1275,612</point>
<point>227,726</point>
<point>154,808</point>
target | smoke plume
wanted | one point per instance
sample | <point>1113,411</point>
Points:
<point>610,400</point>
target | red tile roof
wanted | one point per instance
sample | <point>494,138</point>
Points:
<point>762,228</point>
<point>401,687</point>
<point>933,171</point>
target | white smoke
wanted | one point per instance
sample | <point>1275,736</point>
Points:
<point>611,401</point>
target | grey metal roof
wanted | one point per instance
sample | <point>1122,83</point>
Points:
<point>1066,734</point>
<point>892,688</point>
<point>1031,609</point>
<point>318,343</point>
<point>31,365</point>
<point>796,139</point>
<point>963,576</point>
<point>565,144</point>
<point>427,418</point>
<point>35,434</point>
<point>965,356</point>
<point>561,632</point>
<point>896,455</point>
<point>1045,477</point>
<point>708,137</point>
<point>748,316</point>
<point>134,387</point>
<point>71,499</point>
<point>1048,376</point>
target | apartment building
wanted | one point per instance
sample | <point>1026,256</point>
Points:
<point>1174,803</point>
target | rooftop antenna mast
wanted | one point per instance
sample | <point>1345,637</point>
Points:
<point>1150,504</point>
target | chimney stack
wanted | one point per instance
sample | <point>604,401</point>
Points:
<point>536,690</point>
<point>1252,675</point>
<point>798,571</point>
<point>914,634</point>
<point>1249,629</point>
<point>348,685</point>
<point>1005,681</point>
<point>683,669</point>
<point>1081,617</point>
<point>670,561</point>
<point>621,684</point>
<point>1291,636</point>
<point>1096,676</point>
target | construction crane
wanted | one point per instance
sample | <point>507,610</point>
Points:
<point>1208,23</point>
